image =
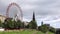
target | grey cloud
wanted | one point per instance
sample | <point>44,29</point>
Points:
<point>42,8</point>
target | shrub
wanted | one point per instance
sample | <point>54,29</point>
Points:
<point>52,29</point>
<point>43,28</point>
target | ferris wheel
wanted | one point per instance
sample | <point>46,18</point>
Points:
<point>18,14</point>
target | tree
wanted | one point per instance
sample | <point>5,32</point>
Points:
<point>0,23</point>
<point>22,25</point>
<point>10,24</point>
<point>19,24</point>
<point>44,28</point>
<point>33,24</point>
<point>39,28</point>
<point>52,29</point>
<point>5,24</point>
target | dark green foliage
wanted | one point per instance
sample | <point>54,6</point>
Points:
<point>46,27</point>
<point>52,29</point>
<point>43,28</point>
<point>33,25</point>
<point>8,24</point>
<point>17,24</point>
<point>13,24</point>
<point>1,24</point>
<point>39,28</point>
<point>22,25</point>
<point>5,24</point>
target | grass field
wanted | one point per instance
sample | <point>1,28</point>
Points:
<point>23,32</point>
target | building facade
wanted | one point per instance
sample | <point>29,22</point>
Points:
<point>2,18</point>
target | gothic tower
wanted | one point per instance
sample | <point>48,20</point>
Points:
<point>33,16</point>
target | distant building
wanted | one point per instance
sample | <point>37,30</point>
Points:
<point>26,23</point>
<point>41,23</point>
<point>2,18</point>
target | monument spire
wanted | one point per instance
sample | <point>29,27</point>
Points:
<point>34,16</point>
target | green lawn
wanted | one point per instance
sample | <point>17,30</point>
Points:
<point>39,32</point>
<point>22,32</point>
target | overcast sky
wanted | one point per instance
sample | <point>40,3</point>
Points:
<point>47,11</point>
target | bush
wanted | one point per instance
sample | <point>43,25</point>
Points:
<point>39,28</point>
<point>52,29</point>
<point>43,28</point>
